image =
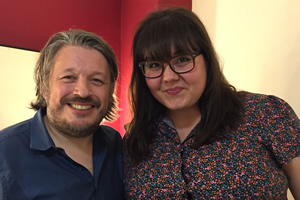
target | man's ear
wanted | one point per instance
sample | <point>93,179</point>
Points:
<point>45,93</point>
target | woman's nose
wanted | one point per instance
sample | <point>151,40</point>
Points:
<point>169,74</point>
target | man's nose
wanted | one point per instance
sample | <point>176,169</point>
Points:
<point>82,88</point>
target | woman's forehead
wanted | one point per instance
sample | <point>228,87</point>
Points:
<point>167,51</point>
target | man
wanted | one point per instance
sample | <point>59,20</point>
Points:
<point>62,152</point>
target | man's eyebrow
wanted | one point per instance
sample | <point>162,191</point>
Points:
<point>98,73</point>
<point>70,69</point>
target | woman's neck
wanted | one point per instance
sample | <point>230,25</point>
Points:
<point>184,120</point>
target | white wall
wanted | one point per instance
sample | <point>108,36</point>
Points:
<point>258,42</point>
<point>16,85</point>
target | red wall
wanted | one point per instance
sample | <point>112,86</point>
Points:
<point>29,24</point>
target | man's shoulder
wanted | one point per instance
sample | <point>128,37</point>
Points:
<point>109,132</point>
<point>14,139</point>
<point>109,139</point>
<point>15,130</point>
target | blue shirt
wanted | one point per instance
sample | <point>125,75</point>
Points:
<point>31,167</point>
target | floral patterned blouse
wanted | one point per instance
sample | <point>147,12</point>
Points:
<point>246,165</point>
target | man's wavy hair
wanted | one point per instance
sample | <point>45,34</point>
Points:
<point>73,37</point>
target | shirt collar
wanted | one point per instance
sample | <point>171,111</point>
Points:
<point>168,122</point>
<point>40,138</point>
<point>166,126</point>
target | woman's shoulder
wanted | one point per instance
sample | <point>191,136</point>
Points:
<point>262,100</point>
<point>263,106</point>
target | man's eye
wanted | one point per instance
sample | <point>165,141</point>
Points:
<point>68,78</point>
<point>97,81</point>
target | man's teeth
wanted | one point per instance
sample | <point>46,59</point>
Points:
<point>81,107</point>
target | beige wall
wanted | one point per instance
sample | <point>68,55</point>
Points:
<point>16,85</point>
<point>258,43</point>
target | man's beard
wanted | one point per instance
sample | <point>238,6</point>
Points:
<point>68,128</point>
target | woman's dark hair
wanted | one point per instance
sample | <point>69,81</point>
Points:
<point>219,104</point>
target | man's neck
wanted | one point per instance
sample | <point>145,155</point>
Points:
<point>78,149</point>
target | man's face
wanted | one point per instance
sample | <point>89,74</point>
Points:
<point>79,91</point>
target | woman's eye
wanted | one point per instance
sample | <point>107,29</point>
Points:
<point>153,65</point>
<point>183,59</point>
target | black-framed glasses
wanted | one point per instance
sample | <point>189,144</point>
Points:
<point>179,64</point>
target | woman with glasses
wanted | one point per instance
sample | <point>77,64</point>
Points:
<point>193,135</point>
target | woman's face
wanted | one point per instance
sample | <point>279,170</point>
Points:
<point>179,92</point>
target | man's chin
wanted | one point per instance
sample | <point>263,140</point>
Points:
<point>76,129</point>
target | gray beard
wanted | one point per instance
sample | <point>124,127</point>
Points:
<point>64,127</point>
<point>75,131</point>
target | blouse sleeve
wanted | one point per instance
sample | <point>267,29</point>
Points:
<point>280,129</point>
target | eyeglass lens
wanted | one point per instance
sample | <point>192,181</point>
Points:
<point>179,64</point>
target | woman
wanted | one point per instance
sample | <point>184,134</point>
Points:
<point>193,136</point>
